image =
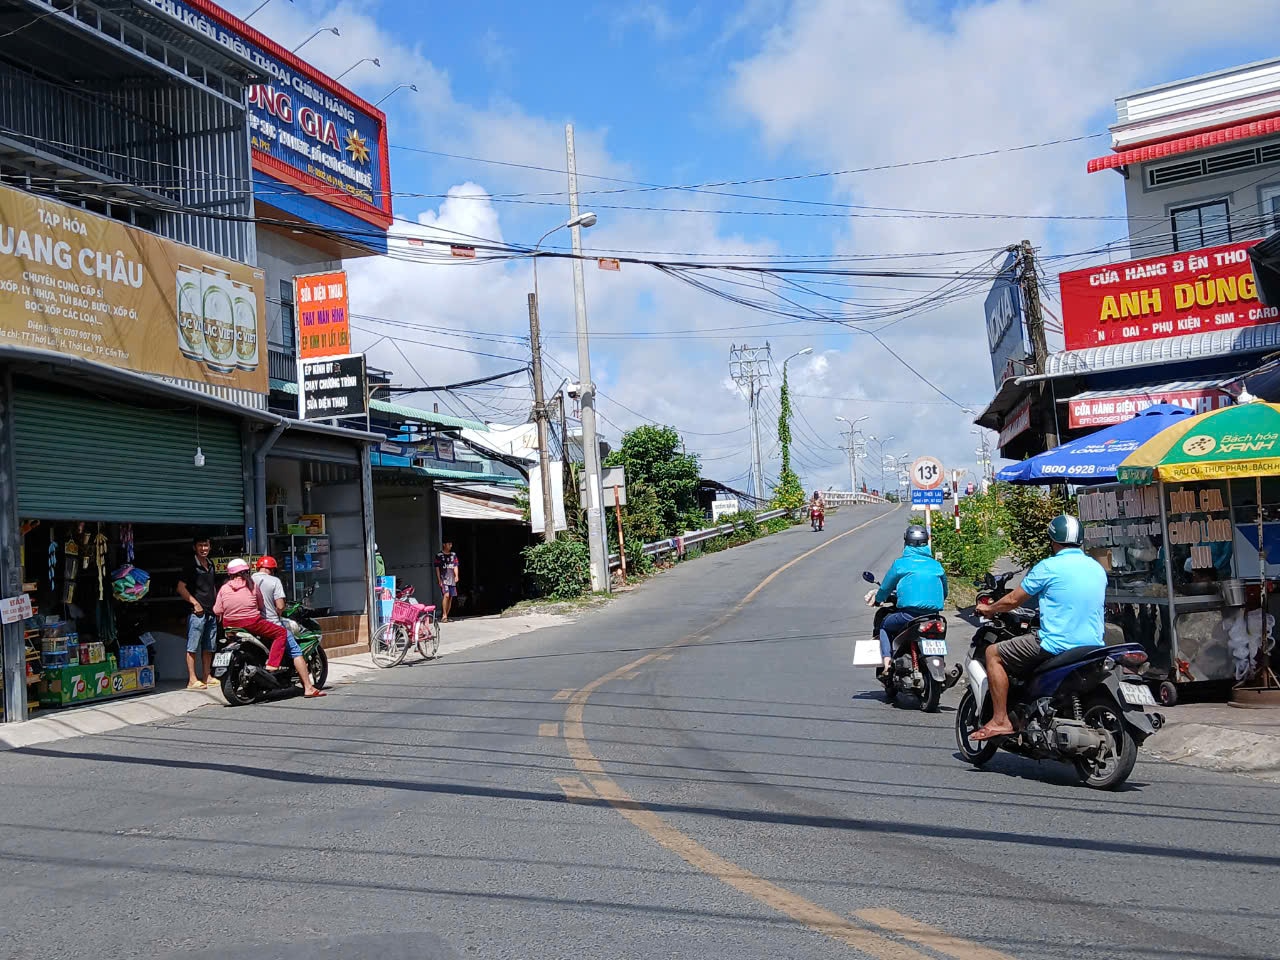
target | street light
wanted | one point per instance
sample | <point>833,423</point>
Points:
<point>880,443</point>
<point>853,471</point>
<point>333,30</point>
<point>587,219</point>
<point>411,86</point>
<point>798,353</point>
<point>257,8</point>
<point>374,60</point>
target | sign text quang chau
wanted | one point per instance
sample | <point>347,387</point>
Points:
<point>1196,291</point>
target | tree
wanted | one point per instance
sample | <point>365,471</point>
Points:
<point>788,494</point>
<point>651,455</point>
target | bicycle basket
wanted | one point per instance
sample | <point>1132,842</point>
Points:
<point>404,612</point>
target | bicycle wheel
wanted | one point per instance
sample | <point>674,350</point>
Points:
<point>428,636</point>
<point>389,644</point>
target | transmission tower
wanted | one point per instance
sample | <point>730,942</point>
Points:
<point>750,368</point>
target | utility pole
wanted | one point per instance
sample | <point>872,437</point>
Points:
<point>750,368</point>
<point>600,580</point>
<point>1035,329</point>
<point>564,434</point>
<point>540,415</point>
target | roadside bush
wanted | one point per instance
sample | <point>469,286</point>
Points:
<point>560,569</point>
<point>778,524</point>
<point>1027,512</point>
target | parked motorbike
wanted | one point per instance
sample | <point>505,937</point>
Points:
<point>1083,707</point>
<point>241,661</point>
<point>919,656</point>
<point>816,518</point>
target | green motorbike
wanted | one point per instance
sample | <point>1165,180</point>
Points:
<point>241,661</point>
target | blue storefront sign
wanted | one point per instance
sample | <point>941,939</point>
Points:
<point>1006,331</point>
<point>307,131</point>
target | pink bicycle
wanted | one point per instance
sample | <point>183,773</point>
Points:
<point>412,624</point>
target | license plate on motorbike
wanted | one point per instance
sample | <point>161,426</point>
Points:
<point>222,659</point>
<point>933,648</point>
<point>1137,694</point>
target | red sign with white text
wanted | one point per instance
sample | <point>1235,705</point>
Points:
<point>1197,291</point>
<point>1104,411</point>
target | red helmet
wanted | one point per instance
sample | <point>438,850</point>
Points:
<point>267,563</point>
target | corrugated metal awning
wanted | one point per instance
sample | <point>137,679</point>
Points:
<point>1187,144</point>
<point>1192,346</point>
<point>1176,386</point>
<point>456,506</point>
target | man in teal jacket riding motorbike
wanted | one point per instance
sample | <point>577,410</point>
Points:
<point>920,583</point>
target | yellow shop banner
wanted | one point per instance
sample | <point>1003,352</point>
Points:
<point>88,286</point>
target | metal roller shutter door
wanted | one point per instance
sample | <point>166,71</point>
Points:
<point>82,458</point>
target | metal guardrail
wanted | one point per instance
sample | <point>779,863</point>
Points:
<point>693,537</point>
<point>843,498</point>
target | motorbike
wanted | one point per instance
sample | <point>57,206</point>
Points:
<point>992,587</point>
<point>919,656</point>
<point>816,518</point>
<point>241,660</point>
<point>1084,707</point>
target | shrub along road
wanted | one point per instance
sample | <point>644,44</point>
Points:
<point>692,771</point>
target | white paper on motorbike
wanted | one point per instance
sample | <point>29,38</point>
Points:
<point>866,653</point>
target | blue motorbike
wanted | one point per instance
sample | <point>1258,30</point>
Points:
<point>1084,707</point>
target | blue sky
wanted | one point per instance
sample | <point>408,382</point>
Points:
<point>677,94</point>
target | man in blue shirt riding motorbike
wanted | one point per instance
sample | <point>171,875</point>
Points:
<point>1072,590</point>
<point>920,583</point>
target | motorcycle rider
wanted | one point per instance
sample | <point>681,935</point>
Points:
<point>273,603</point>
<point>1072,587</point>
<point>818,505</point>
<point>920,583</point>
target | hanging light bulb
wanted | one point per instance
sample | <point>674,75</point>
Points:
<point>198,459</point>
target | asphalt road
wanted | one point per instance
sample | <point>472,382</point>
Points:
<point>693,771</point>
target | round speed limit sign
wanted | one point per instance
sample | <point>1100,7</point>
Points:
<point>926,473</point>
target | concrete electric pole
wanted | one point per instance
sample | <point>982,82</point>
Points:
<point>587,392</point>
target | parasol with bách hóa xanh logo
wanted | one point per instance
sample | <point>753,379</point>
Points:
<point>1235,442</point>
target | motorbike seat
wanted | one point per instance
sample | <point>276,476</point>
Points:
<point>1074,655</point>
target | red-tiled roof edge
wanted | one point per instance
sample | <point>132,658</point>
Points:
<point>1188,143</point>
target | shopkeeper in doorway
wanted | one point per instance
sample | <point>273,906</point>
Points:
<point>447,576</point>
<point>199,588</point>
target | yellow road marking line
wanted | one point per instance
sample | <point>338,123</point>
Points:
<point>575,791</point>
<point>563,695</point>
<point>693,853</point>
<point>928,936</point>
<point>633,674</point>
<point>664,656</point>
<point>548,729</point>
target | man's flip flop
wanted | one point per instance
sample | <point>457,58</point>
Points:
<point>982,734</point>
<point>315,693</point>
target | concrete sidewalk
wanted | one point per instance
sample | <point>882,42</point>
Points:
<point>455,637</point>
<point>1223,738</point>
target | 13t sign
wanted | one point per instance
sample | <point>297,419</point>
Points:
<point>926,473</point>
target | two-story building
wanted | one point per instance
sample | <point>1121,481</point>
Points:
<point>1171,312</point>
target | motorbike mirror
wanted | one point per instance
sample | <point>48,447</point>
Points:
<point>868,576</point>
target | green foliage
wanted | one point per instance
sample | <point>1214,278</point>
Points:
<point>560,569</point>
<point>522,501</point>
<point>694,519</point>
<point>652,455</point>
<point>1027,512</point>
<point>980,541</point>
<point>642,523</point>
<point>778,524</point>
<point>789,494</point>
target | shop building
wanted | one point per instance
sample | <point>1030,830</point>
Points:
<point>1173,313</point>
<point>134,386</point>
